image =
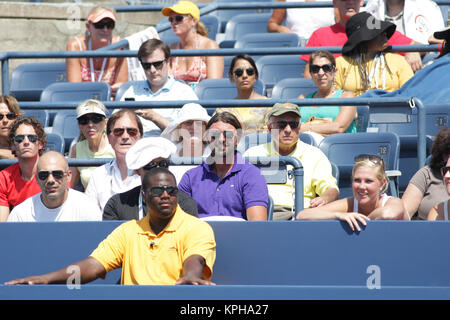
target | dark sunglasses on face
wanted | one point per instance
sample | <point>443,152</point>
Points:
<point>239,72</point>
<point>21,137</point>
<point>101,24</point>
<point>158,191</point>
<point>157,64</point>
<point>371,157</point>
<point>57,174</point>
<point>9,115</point>
<point>132,132</point>
<point>215,134</point>
<point>154,164</point>
<point>177,18</point>
<point>314,68</point>
<point>444,170</point>
<point>95,118</point>
<point>283,124</point>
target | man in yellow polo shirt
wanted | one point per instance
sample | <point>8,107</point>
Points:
<point>167,246</point>
<point>320,187</point>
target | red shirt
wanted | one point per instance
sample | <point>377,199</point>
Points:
<point>335,36</point>
<point>14,189</point>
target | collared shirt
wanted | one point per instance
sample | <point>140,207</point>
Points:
<point>317,173</point>
<point>150,259</point>
<point>241,188</point>
<point>172,90</point>
<point>106,181</point>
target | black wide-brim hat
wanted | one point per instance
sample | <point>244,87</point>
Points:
<point>365,27</point>
<point>443,34</point>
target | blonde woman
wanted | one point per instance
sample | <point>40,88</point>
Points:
<point>99,33</point>
<point>92,142</point>
<point>369,201</point>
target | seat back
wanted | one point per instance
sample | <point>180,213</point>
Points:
<point>291,88</point>
<point>76,91</point>
<point>245,23</point>
<point>65,123</point>
<point>55,142</point>
<point>41,115</point>
<point>210,89</point>
<point>362,122</point>
<point>28,80</point>
<point>267,40</point>
<point>342,148</point>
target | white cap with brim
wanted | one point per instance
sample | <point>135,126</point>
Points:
<point>146,150</point>
<point>89,108</point>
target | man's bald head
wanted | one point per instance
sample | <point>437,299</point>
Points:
<point>55,158</point>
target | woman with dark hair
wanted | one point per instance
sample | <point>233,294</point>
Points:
<point>243,73</point>
<point>442,211</point>
<point>9,111</point>
<point>364,65</point>
<point>426,188</point>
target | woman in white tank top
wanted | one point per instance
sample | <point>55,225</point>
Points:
<point>369,201</point>
<point>441,211</point>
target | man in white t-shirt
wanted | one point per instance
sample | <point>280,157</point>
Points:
<point>154,56</point>
<point>56,202</point>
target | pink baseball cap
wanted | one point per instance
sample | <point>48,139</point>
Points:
<point>97,16</point>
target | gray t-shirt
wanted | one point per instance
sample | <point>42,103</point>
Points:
<point>432,188</point>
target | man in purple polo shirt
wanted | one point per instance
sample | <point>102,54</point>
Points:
<point>226,186</point>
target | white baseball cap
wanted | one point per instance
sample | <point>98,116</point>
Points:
<point>147,149</point>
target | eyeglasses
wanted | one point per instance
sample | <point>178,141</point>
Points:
<point>132,132</point>
<point>157,64</point>
<point>444,170</point>
<point>158,191</point>
<point>177,18</point>
<point>314,68</point>
<point>239,72</point>
<point>371,157</point>
<point>154,164</point>
<point>9,115</point>
<point>95,118</point>
<point>21,137</point>
<point>283,124</point>
<point>215,134</point>
<point>101,24</point>
<point>57,174</point>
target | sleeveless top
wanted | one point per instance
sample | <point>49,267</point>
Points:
<point>86,72</point>
<point>197,71</point>
<point>83,152</point>
<point>383,202</point>
<point>325,111</point>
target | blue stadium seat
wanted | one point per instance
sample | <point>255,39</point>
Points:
<point>291,88</point>
<point>273,68</point>
<point>210,89</point>
<point>226,65</point>
<point>76,91</point>
<point>242,24</point>
<point>362,122</point>
<point>65,123</point>
<point>55,142</point>
<point>41,115</point>
<point>267,40</point>
<point>28,80</point>
<point>341,149</point>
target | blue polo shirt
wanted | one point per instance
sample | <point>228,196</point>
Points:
<point>243,187</point>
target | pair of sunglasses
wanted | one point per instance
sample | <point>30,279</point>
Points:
<point>327,68</point>
<point>239,72</point>
<point>156,164</point>
<point>95,118</point>
<point>9,116</point>
<point>444,170</point>
<point>118,132</point>
<point>371,157</point>
<point>19,138</point>
<point>283,124</point>
<point>107,23</point>
<point>215,134</point>
<point>158,191</point>
<point>157,64</point>
<point>177,18</point>
<point>57,174</point>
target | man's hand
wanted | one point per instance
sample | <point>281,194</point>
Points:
<point>317,202</point>
<point>194,281</point>
<point>414,60</point>
<point>29,280</point>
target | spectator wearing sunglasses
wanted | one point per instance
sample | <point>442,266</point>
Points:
<point>27,139</point>
<point>319,185</point>
<point>369,201</point>
<point>123,130</point>
<point>243,73</point>
<point>99,33</point>
<point>225,185</point>
<point>154,56</point>
<point>184,18</point>
<point>441,211</point>
<point>166,247</point>
<point>56,201</point>
<point>9,111</point>
<point>426,188</point>
<point>321,121</point>
<point>146,154</point>
<point>92,141</point>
